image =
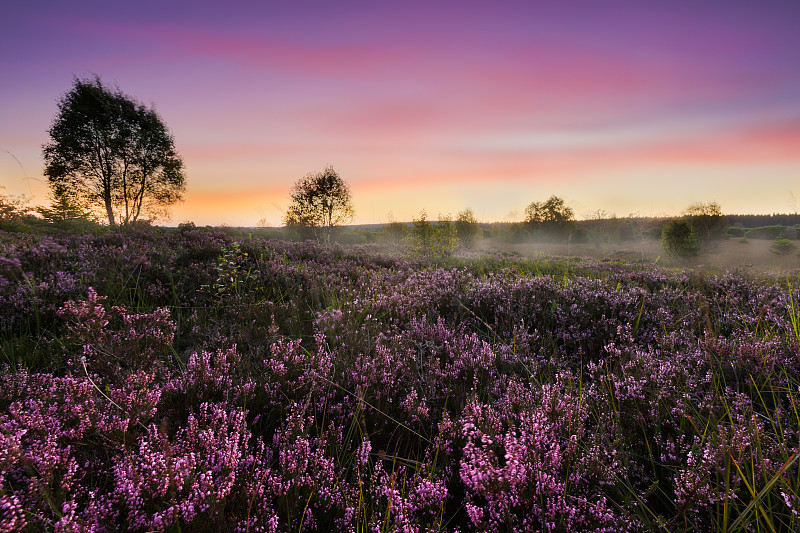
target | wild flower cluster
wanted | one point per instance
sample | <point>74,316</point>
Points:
<point>188,382</point>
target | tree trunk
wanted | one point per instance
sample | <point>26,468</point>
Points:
<point>109,210</point>
<point>127,218</point>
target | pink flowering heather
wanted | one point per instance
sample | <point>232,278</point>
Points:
<point>201,381</point>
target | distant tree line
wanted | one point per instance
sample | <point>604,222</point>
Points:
<point>112,157</point>
<point>757,221</point>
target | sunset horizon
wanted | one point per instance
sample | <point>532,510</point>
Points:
<point>631,110</point>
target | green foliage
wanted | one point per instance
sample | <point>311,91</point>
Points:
<point>552,210</point>
<point>654,233</point>
<point>186,226</point>
<point>768,232</point>
<point>578,236</point>
<point>13,210</point>
<point>66,215</point>
<point>707,221</point>
<point>694,230</point>
<point>108,150</point>
<point>551,218</point>
<point>354,235</point>
<point>679,238</point>
<point>394,232</point>
<point>510,232</point>
<point>736,232</point>
<point>467,229</point>
<point>783,246</point>
<point>433,241</point>
<point>319,202</point>
<point>602,226</point>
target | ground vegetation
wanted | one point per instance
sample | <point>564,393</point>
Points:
<point>204,380</point>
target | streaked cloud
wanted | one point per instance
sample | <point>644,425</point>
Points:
<point>435,106</point>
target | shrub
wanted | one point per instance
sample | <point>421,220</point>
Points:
<point>783,246</point>
<point>13,210</point>
<point>394,232</point>
<point>433,241</point>
<point>707,220</point>
<point>679,238</point>
<point>766,232</point>
<point>736,232</point>
<point>324,388</point>
<point>467,229</point>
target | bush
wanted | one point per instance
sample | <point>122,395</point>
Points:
<point>13,210</point>
<point>783,246</point>
<point>653,233</point>
<point>550,220</point>
<point>736,232</point>
<point>433,241</point>
<point>766,232</point>
<point>394,232</point>
<point>352,236</point>
<point>707,221</point>
<point>679,238</point>
<point>467,229</point>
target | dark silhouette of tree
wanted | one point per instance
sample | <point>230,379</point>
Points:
<point>433,241</point>
<point>695,230</point>
<point>680,239</point>
<point>319,201</point>
<point>551,218</point>
<point>109,151</point>
<point>13,210</point>
<point>66,215</point>
<point>707,221</point>
<point>552,210</point>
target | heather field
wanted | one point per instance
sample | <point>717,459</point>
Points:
<point>193,381</point>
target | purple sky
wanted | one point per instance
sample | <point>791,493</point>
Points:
<point>624,106</point>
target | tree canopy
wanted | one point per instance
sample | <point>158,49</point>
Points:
<point>319,201</point>
<point>111,152</point>
<point>66,215</point>
<point>433,241</point>
<point>551,219</point>
<point>554,209</point>
<point>467,229</point>
<point>679,238</point>
<point>707,220</point>
<point>13,210</point>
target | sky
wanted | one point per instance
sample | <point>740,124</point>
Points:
<point>620,106</point>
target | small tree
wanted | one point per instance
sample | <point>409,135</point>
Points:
<point>108,150</point>
<point>552,210</point>
<point>679,238</point>
<point>467,229</point>
<point>551,217</point>
<point>433,241</point>
<point>13,210</point>
<point>319,202</point>
<point>67,215</point>
<point>707,221</point>
<point>698,225</point>
<point>394,232</point>
<point>782,246</point>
